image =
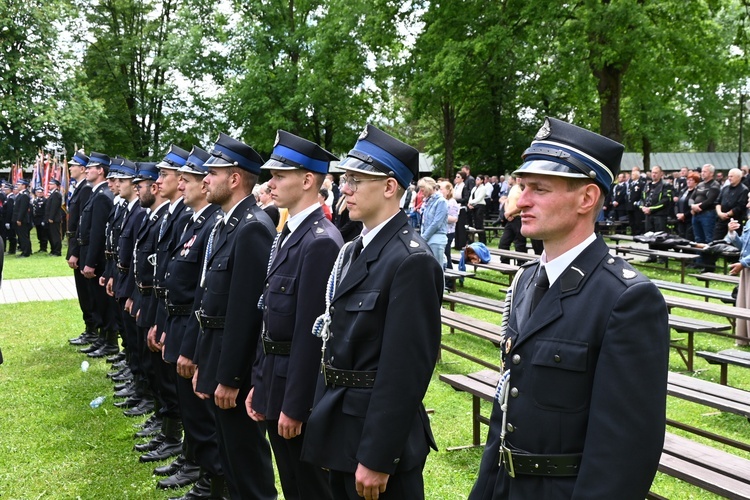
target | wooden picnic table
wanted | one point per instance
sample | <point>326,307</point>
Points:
<point>683,258</point>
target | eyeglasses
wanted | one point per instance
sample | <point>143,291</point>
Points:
<point>353,183</point>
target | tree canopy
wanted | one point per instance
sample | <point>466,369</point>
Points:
<point>466,81</point>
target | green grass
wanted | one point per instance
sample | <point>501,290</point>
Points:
<point>39,265</point>
<point>53,445</point>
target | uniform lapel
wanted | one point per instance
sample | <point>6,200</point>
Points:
<point>570,282</point>
<point>359,269</point>
<point>293,239</point>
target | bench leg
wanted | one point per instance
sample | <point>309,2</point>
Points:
<point>690,352</point>
<point>723,378</point>
<point>477,419</point>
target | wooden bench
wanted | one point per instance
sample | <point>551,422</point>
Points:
<point>472,300</point>
<point>507,270</point>
<point>687,326</point>
<point>456,275</point>
<point>482,329</point>
<point>683,258</point>
<point>518,257</point>
<point>727,257</point>
<point>732,313</point>
<point>690,326</point>
<point>473,234</point>
<point>698,464</point>
<point>725,358</point>
<point>707,278</point>
<point>706,293</point>
<point>617,238</point>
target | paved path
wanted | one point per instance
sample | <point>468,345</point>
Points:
<point>37,289</point>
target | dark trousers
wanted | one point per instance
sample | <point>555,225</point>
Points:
<point>478,219</point>
<point>55,238</point>
<point>245,453</point>
<point>512,234</point>
<point>85,301</point>
<point>408,484</point>
<point>23,232</point>
<point>198,420</point>
<point>299,480</point>
<point>164,384</point>
<point>104,306</point>
<point>42,234</point>
<point>656,223</point>
<point>635,218</point>
<point>463,220</point>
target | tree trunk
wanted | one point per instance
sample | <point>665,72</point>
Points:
<point>609,87</point>
<point>646,153</point>
<point>449,136</point>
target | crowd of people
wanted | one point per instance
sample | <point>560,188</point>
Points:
<point>221,292</point>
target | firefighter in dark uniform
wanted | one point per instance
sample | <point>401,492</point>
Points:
<point>22,218</point>
<point>38,208</point>
<point>200,458</point>
<point>9,230</point>
<point>53,215</point>
<point>169,442</point>
<point>232,279</point>
<point>78,200</point>
<point>92,263</point>
<point>288,355</point>
<point>368,425</point>
<point>657,201</point>
<point>580,408</point>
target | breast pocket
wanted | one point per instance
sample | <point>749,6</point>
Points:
<point>361,309</point>
<point>560,379</point>
<point>281,294</point>
<point>219,276</point>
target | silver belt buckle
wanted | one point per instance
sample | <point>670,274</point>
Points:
<point>507,460</point>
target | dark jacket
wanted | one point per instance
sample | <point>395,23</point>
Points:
<point>235,274</point>
<point>53,208</point>
<point>294,298</point>
<point>385,318</point>
<point>91,228</point>
<point>588,375</point>
<point>78,200</point>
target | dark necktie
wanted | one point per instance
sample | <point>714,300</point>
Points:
<point>358,247</point>
<point>285,231</point>
<point>541,285</point>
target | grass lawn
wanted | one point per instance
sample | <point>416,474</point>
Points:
<point>53,445</point>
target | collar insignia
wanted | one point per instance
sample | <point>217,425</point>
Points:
<point>628,274</point>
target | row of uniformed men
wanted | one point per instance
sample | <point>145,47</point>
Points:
<point>18,217</point>
<point>224,320</point>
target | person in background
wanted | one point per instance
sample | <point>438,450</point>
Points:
<point>265,201</point>
<point>322,197</point>
<point>434,228</point>
<point>38,208</point>
<point>54,214</point>
<point>682,207</point>
<point>741,241</point>
<point>446,189</point>
<point>477,206</point>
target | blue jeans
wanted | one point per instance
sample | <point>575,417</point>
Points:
<point>703,226</point>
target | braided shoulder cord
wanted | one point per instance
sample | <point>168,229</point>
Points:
<point>262,299</point>
<point>322,326</point>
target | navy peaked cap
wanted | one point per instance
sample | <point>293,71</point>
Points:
<point>565,150</point>
<point>195,162</point>
<point>380,154</point>
<point>292,152</point>
<point>147,170</point>
<point>79,158</point>
<point>175,158</point>
<point>228,152</point>
<point>98,160</point>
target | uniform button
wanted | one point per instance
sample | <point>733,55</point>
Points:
<point>396,460</point>
<point>332,309</point>
<point>283,289</point>
<point>514,392</point>
<point>266,285</point>
<point>516,359</point>
<point>360,304</point>
<point>557,358</point>
<point>510,427</point>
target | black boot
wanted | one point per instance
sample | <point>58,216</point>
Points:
<point>145,406</point>
<point>97,344</point>
<point>151,427</point>
<point>189,473</point>
<point>219,489</point>
<point>171,468</point>
<point>84,338</point>
<point>200,490</point>
<point>151,445</point>
<point>172,444</point>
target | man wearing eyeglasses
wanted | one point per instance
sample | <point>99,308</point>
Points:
<point>380,338</point>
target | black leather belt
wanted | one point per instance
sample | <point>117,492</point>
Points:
<point>83,242</point>
<point>348,378</point>
<point>161,292</point>
<point>179,310</point>
<point>123,269</point>
<point>517,462</point>
<point>215,322</point>
<point>70,234</point>
<point>145,290</point>
<point>278,348</point>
